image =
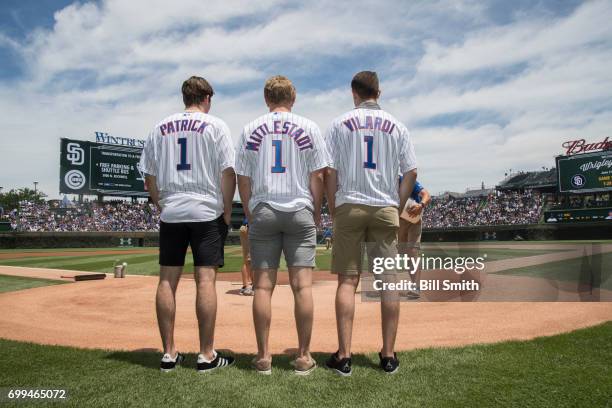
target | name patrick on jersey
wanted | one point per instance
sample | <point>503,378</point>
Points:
<point>184,125</point>
<point>279,128</point>
<point>376,123</point>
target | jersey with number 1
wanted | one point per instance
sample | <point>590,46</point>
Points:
<point>278,151</point>
<point>369,149</point>
<point>187,153</point>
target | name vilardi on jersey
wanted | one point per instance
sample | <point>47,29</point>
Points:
<point>377,123</point>
<point>302,140</point>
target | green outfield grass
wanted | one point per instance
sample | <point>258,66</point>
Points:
<point>492,254</point>
<point>147,264</point>
<point>12,283</point>
<point>572,270</point>
<point>568,370</point>
<point>141,264</point>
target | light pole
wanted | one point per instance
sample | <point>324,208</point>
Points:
<point>35,187</point>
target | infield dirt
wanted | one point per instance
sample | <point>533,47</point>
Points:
<point>120,314</point>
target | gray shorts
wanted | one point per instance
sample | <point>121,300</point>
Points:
<point>272,231</point>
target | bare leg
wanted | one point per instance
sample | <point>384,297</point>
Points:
<point>390,309</point>
<point>206,308</point>
<point>301,285</point>
<point>413,252</point>
<point>407,245</point>
<point>245,272</point>
<point>264,283</point>
<point>165,303</point>
<point>345,312</point>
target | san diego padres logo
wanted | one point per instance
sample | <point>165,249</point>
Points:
<point>75,154</point>
<point>74,179</point>
<point>578,181</point>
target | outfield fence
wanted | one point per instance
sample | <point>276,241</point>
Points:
<point>534,232</point>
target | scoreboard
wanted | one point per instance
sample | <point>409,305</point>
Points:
<point>96,168</point>
<point>585,173</point>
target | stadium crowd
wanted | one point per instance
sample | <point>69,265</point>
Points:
<point>106,216</point>
<point>499,208</point>
<point>494,209</point>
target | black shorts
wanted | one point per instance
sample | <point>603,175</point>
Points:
<point>205,238</point>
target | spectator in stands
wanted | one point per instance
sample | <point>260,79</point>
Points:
<point>511,207</point>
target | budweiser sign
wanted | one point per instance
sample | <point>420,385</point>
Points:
<point>581,146</point>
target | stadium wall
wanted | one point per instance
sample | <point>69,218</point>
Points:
<point>24,240</point>
<point>529,232</point>
<point>578,231</point>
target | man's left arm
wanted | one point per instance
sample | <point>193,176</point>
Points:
<point>151,184</point>
<point>228,175</point>
<point>317,188</point>
<point>319,161</point>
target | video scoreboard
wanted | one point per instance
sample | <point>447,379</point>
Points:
<point>92,168</point>
<point>585,173</point>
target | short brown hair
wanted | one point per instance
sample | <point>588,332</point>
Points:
<point>279,90</point>
<point>365,84</point>
<point>195,90</point>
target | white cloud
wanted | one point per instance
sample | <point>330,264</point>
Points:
<point>526,40</point>
<point>117,66</point>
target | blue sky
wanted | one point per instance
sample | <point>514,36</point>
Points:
<point>483,86</point>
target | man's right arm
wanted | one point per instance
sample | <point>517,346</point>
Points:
<point>147,166</point>
<point>331,174</point>
<point>151,183</point>
<point>228,188</point>
<point>331,187</point>
<point>244,189</point>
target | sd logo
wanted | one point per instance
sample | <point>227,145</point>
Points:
<point>578,181</point>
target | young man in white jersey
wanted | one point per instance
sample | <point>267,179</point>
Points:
<point>188,163</point>
<point>280,162</point>
<point>369,148</point>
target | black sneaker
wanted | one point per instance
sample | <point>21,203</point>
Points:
<point>218,362</point>
<point>168,363</point>
<point>339,366</point>
<point>390,365</point>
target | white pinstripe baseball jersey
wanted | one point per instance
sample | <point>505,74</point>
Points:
<point>278,151</point>
<point>369,148</point>
<point>187,152</point>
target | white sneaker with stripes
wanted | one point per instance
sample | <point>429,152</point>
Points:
<point>219,361</point>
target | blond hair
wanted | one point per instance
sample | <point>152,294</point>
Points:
<point>279,91</point>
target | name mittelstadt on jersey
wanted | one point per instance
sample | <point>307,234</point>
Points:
<point>287,128</point>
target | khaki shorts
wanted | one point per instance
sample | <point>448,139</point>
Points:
<point>272,232</point>
<point>244,243</point>
<point>409,235</point>
<point>356,225</point>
